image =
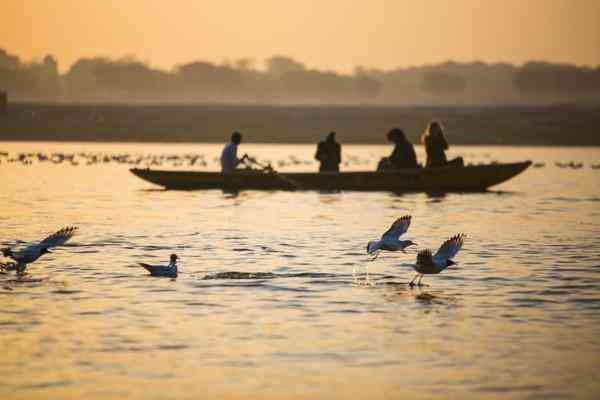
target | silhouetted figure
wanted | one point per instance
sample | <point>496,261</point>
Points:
<point>403,156</point>
<point>329,154</point>
<point>436,145</point>
<point>229,159</point>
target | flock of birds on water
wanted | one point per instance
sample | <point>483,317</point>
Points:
<point>191,160</point>
<point>148,160</point>
<point>427,262</point>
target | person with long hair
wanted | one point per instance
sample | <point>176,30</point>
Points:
<point>436,145</point>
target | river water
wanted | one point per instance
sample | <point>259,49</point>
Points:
<point>517,317</point>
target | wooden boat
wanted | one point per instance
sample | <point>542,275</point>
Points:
<point>441,179</point>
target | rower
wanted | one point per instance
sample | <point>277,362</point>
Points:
<point>229,159</point>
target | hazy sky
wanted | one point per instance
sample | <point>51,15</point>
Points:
<point>325,34</point>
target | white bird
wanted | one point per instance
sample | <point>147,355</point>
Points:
<point>32,252</point>
<point>436,263</point>
<point>390,240</point>
<point>161,270</point>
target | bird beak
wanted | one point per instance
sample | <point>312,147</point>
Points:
<point>48,251</point>
<point>413,244</point>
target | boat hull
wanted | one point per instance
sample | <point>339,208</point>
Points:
<point>442,179</point>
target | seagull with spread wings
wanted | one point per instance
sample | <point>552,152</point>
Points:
<point>162,270</point>
<point>390,240</point>
<point>428,263</point>
<point>32,252</point>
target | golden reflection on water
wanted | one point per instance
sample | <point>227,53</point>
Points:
<point>517,317</point>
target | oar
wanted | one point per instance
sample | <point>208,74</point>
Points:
<point>270,170</point>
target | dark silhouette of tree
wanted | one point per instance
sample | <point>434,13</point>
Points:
<point>278,66</point>
<point>440,82</point>
<point>546,78</point>
<point>205,80</point>
<point>285,80</point>
<point>366,87</point>
<point>47,79</point>
<point>33,80</point>
<point>8,61</point>
<point>104,78</point>
<point>128,75</point>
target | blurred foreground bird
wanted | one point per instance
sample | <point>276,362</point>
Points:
<point>161,270</point>
<point>390,240</point>
<point>32,252</point>
<point>436,263</point>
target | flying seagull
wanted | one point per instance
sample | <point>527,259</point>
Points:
<point>32,252</point>
<point>390,240</point>
<point>161,270</point>
<point>436,263</point>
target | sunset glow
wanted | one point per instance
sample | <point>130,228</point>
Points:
<point>336,35</point>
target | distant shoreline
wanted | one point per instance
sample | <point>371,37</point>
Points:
<point>241,104</point>
<point>281,143</point>
<point>559,125</point>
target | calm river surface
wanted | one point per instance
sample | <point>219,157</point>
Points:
<point>518,317</point>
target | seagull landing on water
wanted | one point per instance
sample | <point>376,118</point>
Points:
<point>436,263</point>
<point>161,270</point>
<point>32,252</point>
<point>390,240</point>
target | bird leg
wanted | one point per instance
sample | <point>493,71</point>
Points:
<point>21,268</point>
<point>419,281</point>
<point>412,283</point>
<point>356,275</point>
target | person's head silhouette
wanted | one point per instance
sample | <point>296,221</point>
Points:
<point>396,135</point>
<point>236,137</point>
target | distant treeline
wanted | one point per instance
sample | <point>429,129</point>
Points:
<point>288,81</point>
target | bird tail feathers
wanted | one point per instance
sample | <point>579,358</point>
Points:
<point>372,246</point>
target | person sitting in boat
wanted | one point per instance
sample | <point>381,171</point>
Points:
<point>229,159</point>
<point>329,154</point>
<point>403,156</point>
<point>436,145</point>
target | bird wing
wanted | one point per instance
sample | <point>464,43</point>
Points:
<point>149,267</point>
<point>398,228</point>
<point>58,238</point>
<point>160,270</point>
<point>449,248</point>
<point>424,258</point>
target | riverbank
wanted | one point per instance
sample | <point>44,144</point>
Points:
<point>560,125</point>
